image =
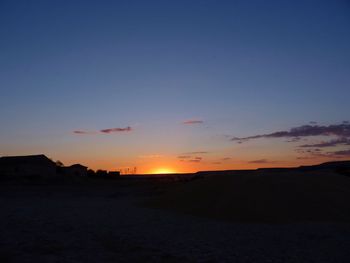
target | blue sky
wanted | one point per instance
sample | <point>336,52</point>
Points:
<point>240,67</point>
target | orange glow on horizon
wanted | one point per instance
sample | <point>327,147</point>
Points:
<point>162,170</point>
<point>169,165</point>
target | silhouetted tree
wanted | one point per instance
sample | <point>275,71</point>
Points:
<point>91,173</point>
<point>59,167</point>
<point>59,163</point>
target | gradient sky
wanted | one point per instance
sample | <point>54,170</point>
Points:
<point>171,84</point>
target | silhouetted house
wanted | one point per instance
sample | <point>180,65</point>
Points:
<point>101,173</point>
<point>30,165</point>
<point>76,169</point>
<point>114,173</point>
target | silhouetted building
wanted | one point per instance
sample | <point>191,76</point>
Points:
<point>30,165</point>
<point>114,173</point>
<point>76,169</point>
<point>101,173</point>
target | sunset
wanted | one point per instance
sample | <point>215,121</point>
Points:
<point>108,83</point>
<point>162,171</point>
<point>190,117</point>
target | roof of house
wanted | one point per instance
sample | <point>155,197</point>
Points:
<point>39,159</point>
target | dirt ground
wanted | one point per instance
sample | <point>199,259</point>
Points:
<point>263,197</point>
<point>109,222</point>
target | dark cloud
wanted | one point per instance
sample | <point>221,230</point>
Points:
<point>216,162</point>
<point>189,122</point>
<point>331,143</point>
<point>113,130</point>
<point>341,130</point>
<point>259,161</point>
<point>226,159</point>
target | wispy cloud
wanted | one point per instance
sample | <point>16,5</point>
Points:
<point>114,130</point>
<point>184,157</point>
<point>192,157</point>
<point>316,153</point>
<point>294,139</point>
<point>189,158</point>
<point>190,122</point>
<point>313,151</point>
<point>150,156</point>
<point>304,158</point>
<point>259,161</point>
<point>195,160</point>
<point>344,153</point>
<point>339,136</point>
<point>81,132</point>
<point>331,143</point>
<point>341,130</point>
<point>199,152</point>
<point>104,131</point>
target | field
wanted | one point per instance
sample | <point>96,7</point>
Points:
<point>213,219</point>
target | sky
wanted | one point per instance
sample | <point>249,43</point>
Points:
<point>176,86</point>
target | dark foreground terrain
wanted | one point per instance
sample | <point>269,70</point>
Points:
<point>214,219</point>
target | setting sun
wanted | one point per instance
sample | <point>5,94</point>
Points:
<point>182,131</point>
<point>162,171</point>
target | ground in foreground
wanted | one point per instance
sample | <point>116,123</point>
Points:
<point>108,222</point>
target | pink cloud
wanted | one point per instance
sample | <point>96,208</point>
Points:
<point>80,132</point>
<point>190,122</point>
<point>113,130</point>
<point>106,131</point>
<point>340,130</point>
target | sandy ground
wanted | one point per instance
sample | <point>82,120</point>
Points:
<point>109,223</point>
<point>264,197</point>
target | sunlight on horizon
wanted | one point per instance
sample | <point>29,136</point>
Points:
<point>162,170</point>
